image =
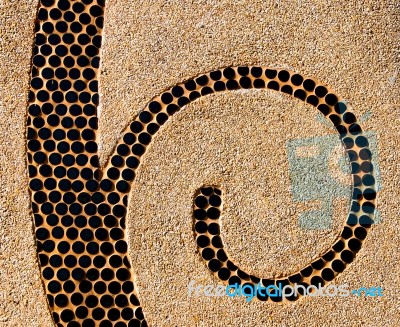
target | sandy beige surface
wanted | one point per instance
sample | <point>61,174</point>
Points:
<point>236,140</point>
<point>22,299</point>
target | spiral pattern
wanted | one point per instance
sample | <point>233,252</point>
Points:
<point>79,208</point>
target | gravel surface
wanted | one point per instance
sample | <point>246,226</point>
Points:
<point>237,140</point>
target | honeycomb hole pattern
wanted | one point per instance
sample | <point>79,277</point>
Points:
<point>79,208</point>
<point>207,209</point>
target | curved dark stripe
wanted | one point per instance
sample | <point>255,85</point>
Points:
<point>207,210</point>
<point>79,216</point>
<point>79,209</point>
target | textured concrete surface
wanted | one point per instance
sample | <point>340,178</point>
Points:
<point>234,139</point>
<point>22,300</point>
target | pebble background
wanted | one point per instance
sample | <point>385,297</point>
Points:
<point>150,46</point>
